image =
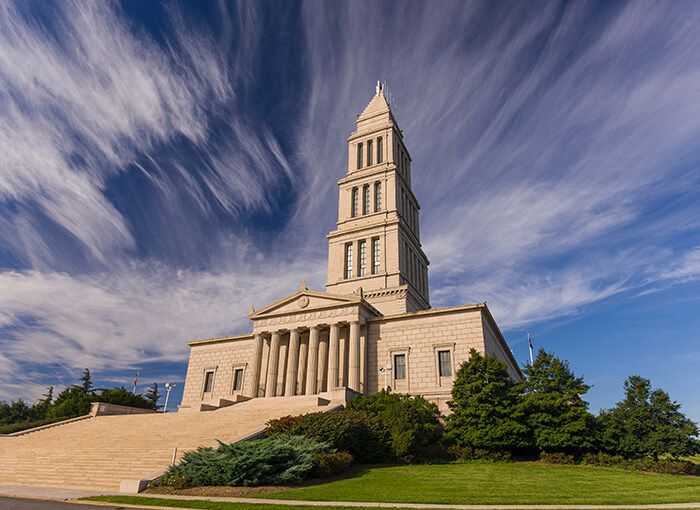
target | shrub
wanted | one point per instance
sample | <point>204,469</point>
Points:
<point>16,427</point>
<point>356,432</point>
<point>467,453</point>
<point>679,467</point>
<point>557,458</point>
<point>327,464</point>
<point>412,422</point>
<point>271,461</point>
<point>604,459</point>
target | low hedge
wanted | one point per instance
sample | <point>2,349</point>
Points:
<point>467,453</point>
<point>273,461</point>
<point>329,464</point>
<point>602,459</point>
<point>26,425</point>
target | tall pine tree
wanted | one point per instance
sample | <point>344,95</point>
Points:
<point>485,411</point>
<point>557,415</point>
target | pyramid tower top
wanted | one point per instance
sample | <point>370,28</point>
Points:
<point>378,108</point>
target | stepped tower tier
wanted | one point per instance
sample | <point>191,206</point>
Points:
<point>377,243</point>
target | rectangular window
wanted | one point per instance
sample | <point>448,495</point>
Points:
<point>445,365</point>
<point>208,382</point>
<point>363,258</point>
<point>369,152</point>
<point>375,255</point>
<point>238,379</point>
<point>355,201</point>
<point>359,156</point>
<point>365,199</point>
<point>377,196</point>
<point>399,366</point>
<point>380,156</point>
<point>348,260</point>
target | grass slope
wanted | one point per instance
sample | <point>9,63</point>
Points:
<point>208,505</point>
<point>501,484</point>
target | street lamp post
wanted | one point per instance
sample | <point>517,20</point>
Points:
<point>168,387</point>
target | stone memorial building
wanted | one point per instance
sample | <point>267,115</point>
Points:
<point>373,327</point>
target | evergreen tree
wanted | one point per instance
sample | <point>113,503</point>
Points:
<point>42,407</point>
<point>152,395</point>
<point>647,423</point>
<point>86,381</point>
<point>485,411</point>
<point>557,415</point>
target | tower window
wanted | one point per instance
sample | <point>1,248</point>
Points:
<point>359,156</point>
<point>366,199</point>
<point>369,152</point>
<point>363,258</point>
<point>377,196</point>
<point>399,366</point>
<point>380,156</point>
<point>355,202</point>
<point>444,363</point>
<point>348,260</point>
<point>375,255</point>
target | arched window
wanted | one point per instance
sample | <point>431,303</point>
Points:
<point>355,202</point>
<point>369,152</point>
<point>380,156</point>
<point>377,196</point>
<point>366,199</point>
<point>359,156</point>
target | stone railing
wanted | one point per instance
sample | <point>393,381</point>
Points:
<point>102,409</point>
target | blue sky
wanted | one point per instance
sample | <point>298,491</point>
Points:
<point>163,166</point>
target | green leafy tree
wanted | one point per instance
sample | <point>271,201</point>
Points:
<point>647,423</point>
<point>15,412</point>
<point>70,403</point>
<point>123,397</point>
<point>412,421</point>
<point>152,395</point>
<point>556,414</point>
<point>485,410</point>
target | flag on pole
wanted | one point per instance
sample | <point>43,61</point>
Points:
<point>529,342</point>
<point>136,380</point>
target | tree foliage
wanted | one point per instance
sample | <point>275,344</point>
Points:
<point>152,396</point>
<point>485,410</point>
<point>647,423</point>
<point>412,422</point>
<point>556,415</point>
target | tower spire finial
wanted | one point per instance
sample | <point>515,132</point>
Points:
<point>380,87</point>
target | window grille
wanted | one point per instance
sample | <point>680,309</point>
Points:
<point>444,362</point>
<point>366,198</point>
<point>399,366</point>
<point>359,156</point>
<point>375,255</point>
<point>208,382</point>
<point>377,196</point>
<point>348,260</point>
<point>363,258</point>
<point>380,156</point>
<point>369,152</point>
<point>238,379</point>
<point>355,202</point>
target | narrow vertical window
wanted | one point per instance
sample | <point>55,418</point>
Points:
<point>377,196</point>
<point>348,260</point>
<point>208,382</point>
<point>444,363</point>
<point>238,379</point>
<point>355,202</point>
<point>399,366</point>
<point>380,156</point>
<point>365,199</point>
<point>369,152</point>
<point>363,258</point>
<point>359,156</point>
<point>375,255</point>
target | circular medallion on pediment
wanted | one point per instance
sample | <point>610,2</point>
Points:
<point>303,301</point>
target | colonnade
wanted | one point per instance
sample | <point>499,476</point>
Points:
<point>308,360</point>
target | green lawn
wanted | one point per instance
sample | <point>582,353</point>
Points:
<point>500,484</point>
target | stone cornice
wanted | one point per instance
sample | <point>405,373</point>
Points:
<point>233,338</point>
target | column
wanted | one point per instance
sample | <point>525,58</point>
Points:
<point>257,360</point>
<point>363,358</point>
<point>312,363</point>
<point>303,356</point>
<point>292,364</point>
<point>322,362</point>
<point>272,365</point>
<point>343,357</point>
<point>354,357</point>
<point>333,357</point>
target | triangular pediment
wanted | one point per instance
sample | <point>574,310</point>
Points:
<point>307,300</point>
<point>376,106</point>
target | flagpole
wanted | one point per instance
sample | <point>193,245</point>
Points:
<point>136,379</point>
<point>529,343</point>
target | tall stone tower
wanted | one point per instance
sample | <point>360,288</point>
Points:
<point>377,243</point>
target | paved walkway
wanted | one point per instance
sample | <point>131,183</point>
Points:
<point>74,494</point>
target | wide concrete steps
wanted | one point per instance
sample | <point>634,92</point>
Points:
<point>98,453</point>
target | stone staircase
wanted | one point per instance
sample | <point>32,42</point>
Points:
<point>98,453</point>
